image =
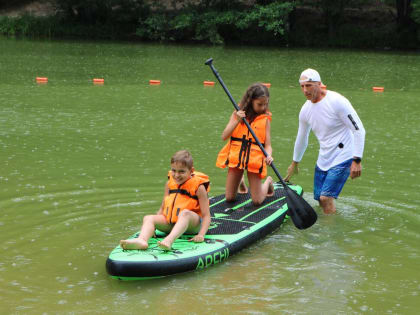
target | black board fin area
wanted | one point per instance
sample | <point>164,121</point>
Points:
<point>234,217</point>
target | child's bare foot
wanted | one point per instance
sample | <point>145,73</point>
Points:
<point>164,245</point>
<point>242,189</point>
<point>135,243</point>
<point>270,191</point>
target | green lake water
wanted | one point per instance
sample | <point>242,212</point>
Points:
<point>81,164</point>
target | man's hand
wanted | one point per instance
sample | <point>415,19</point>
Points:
<point>291,170</point>
<point>355,170</point>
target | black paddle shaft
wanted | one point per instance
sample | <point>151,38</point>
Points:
<point>209,62</point>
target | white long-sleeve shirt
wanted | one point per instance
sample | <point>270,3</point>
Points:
<point>337,126</point>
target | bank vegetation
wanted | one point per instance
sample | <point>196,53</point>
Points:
<point>381,24</point>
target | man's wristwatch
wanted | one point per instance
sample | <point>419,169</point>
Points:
<point>357,160</point>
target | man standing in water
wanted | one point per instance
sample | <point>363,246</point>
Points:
<point>341,137</point>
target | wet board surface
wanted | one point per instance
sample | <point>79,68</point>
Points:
<point>234,226</point>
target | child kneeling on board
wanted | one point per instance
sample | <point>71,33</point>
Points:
<point>241,152</point>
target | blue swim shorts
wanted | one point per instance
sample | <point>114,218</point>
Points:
<point>330,183</point>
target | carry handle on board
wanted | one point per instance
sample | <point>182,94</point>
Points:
<point>301,212</point>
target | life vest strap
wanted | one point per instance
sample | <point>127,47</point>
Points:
<point>244,141</point>
<point>183,192</point>
<point>245,151</point>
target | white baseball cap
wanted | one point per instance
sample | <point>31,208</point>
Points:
<point>309,75</point>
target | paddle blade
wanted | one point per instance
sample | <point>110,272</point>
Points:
<point>301,212</point>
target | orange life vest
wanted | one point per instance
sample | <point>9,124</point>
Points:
<point>184,196</point>
<point>242,152</point>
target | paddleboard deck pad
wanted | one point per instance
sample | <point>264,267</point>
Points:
<point>234,225</point>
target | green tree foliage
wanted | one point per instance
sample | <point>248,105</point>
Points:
<point>406,26</point>
<point>213,21</point>
<point>28,25</point>
<point>272,17</point>
<point>100,18</point>
<point>102,11</point>
<point>415,14</point>
<point>333,13</point>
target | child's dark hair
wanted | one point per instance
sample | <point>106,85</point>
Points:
<point>254,91</point>
<point>184,157</point>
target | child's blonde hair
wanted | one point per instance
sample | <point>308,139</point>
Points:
<point>184,157</point>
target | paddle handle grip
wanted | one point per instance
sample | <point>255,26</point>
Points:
<point>209,63</point>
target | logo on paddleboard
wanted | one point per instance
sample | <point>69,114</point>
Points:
<point>212,259</point>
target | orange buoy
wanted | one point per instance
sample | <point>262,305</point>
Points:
<point>98,81</point>
<point>208,83</point>
<point>378,89</point>
<point>267,84</point>
<point>154,82</point>
<point>41,79</point>
<point>323,86</point>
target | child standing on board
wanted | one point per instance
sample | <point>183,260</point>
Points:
<point>184,208</point>
<point>242,152</point>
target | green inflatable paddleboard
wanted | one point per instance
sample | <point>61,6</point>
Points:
<point>234,225</point>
